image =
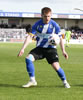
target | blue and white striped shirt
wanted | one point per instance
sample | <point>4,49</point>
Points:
<point>44,32</point>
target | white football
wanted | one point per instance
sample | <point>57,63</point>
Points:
<point>54,40</point>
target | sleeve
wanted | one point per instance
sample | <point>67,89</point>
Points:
<point>58,30</point>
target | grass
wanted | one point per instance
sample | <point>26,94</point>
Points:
<point>13,75</point>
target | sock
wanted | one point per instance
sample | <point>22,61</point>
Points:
<point>30,68</point>
<point>65,81</point>
<point>61,74</point>
<point>32,79</point>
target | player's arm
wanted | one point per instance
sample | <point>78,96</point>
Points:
<point>61,41</point>
<point>28,39</point>
<point>63,48</point>
<point>25,44</point>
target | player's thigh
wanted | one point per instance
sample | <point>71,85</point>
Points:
<point>37,53</point>
<point>52,55</point>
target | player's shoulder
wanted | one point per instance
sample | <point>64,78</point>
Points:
<point>36,24</point>
<point>54,22</point>
<point>39,22</point>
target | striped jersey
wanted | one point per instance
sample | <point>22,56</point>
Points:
<point>44,31</point>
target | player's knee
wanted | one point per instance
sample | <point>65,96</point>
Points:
<point>30,57</point>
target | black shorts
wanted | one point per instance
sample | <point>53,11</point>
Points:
<point>49,53</point>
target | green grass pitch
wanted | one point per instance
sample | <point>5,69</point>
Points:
<point>13,75</point>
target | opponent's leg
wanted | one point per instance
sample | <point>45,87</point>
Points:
<point>31,71</point>
<point>66,42</point>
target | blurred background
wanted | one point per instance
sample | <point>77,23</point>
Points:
<point>16,14</point>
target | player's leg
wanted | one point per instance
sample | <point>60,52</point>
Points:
<point>53,59</point>
<point>34,54</point>
<point>61,74</point>
<point>31,71</point>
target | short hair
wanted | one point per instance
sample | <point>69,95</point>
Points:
<point>45,10</point>
<point>28,28</point>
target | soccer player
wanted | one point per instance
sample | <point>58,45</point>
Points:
<point>67,37</point>
<point>44,28</point>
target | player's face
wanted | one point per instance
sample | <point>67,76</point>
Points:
<point>46,17</point>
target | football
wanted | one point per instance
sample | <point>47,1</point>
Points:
<point>54,40</point>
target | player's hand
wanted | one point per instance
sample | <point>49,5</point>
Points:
<point>20,53</point>
<point>65,55</point>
